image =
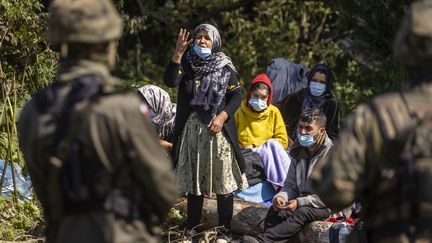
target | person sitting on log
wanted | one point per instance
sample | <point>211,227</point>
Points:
<point>162,112</point>
<point>261,131</point>
<point>296,205</point>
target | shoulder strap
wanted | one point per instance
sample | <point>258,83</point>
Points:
<point>61,108</point>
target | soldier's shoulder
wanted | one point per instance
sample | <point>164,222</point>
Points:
<point>119,102</point>
<point>393,113</point>
<point>380,109</point>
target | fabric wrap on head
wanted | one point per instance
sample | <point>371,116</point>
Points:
<point>310,101</point>
<point>213,34</point>
<point>160,102</point>
<point>286,77</point>
<point>214,73</point>
<point>261,78</point>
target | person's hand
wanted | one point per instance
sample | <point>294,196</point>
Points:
<point>216,124</point>
<point>248,146</point>
<point>279,204</point>
<point>182,43</point>
<point>292,205</point>
<point>166,145</point>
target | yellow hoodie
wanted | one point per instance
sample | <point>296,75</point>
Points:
<point>255,128</point>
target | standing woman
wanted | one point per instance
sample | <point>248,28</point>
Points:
<point>317,94</point>
<point>206,149</point>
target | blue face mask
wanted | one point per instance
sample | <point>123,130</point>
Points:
<point>202,51</point>
<point>306,140</point>
<point>151,115</point>
<point>317,89</point>
<point>257,104</point>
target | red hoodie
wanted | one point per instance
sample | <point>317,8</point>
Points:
<point>262,78</point>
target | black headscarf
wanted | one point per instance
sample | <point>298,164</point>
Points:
<point>310,101</point>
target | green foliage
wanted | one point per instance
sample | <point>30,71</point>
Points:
<point>353,38</point>
<point>26,65</point>
<point>18,220</point>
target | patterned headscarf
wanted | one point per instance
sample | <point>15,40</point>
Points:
<point>160,102</point>
<point>215,77</point>
<point>310,101</point>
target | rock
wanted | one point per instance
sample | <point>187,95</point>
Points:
<point>249,217</point>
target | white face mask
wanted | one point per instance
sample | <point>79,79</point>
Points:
<point>258,104</point>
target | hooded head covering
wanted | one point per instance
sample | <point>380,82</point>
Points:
<point>215,77</point>
<point>310,101</point>
<point>262,78</point>
<point>286,77</point>
<point>160,102</point>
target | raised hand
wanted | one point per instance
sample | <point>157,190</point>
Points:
<point>183,42</point>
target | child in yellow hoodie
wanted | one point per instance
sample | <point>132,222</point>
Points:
<point>261,128</point>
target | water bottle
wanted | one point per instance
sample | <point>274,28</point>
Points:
<point>343,232</point>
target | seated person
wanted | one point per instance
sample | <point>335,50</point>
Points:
<point>261,128</point>
<point>296,205</point>
<point>318,94</point>
<point>162,112</point>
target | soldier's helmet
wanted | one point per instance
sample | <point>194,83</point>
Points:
<point>83,21</point>
<point>413,44</point>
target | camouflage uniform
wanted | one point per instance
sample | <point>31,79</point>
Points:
<point>383,156</point>
<point>123,184</point>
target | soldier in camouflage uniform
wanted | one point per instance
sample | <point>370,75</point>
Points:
<point>383,156</point>
<point>94,159</point>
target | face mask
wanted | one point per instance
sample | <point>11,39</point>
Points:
<point>258,104</point>
<point>317,89</point>
<point>306,140</point>
<point>202,51</point>
<point>151,115</point>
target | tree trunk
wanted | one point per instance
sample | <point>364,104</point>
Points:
<point>249,217</point>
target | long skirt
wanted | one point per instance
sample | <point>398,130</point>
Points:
<point>207,162</point>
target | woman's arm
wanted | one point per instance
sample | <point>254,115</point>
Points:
<point>173,75</point>
<point>280,133</point>
<point>233,95</point>
<point>174,72</point>
<point>233,99</point>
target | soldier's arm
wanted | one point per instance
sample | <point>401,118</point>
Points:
<point>339,177</point>
<point>150,165</point>
<point>28,143</point>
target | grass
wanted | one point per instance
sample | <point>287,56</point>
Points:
<point>20,221</point>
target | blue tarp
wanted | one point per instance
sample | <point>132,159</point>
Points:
<point>23,184</point>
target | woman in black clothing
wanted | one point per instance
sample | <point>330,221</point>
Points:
<point>319,95</point>
<point>206,149</point>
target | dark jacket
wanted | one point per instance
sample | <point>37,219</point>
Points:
<point>183,77</point>
<point>291,105</point>
<point>297,184</point>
